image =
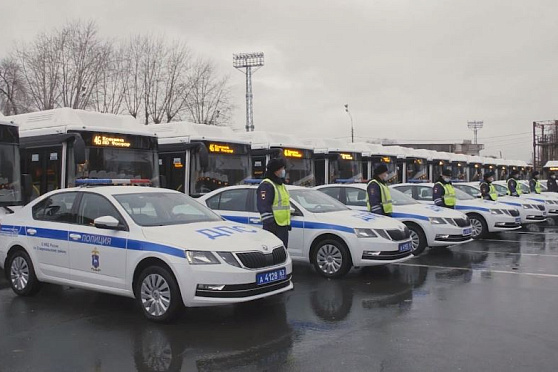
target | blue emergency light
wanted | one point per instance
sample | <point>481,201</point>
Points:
<point>111,182</point>
<point>252,181</point>
<point>345,180</point>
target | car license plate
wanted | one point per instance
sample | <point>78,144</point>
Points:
<point>271,276</point>
<point>518,219</point>
<point>544,213</point>
<point>467,231</point>
<point>404,247</point>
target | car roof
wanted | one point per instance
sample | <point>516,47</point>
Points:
<point>119,190</point>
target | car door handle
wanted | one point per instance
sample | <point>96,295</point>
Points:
<point>31,231</point>
<point>75,236</point>
<point>256,220</point>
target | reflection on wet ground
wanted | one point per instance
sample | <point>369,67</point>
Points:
<point>485,305</point>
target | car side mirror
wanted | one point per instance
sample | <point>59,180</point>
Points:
<point>293,211</point>
<point>106,222</point>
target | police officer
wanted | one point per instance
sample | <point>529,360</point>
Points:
<point>534,183</point>
<point>514,189</point>
<point>274,202</point>
<point>488,191</point>
<point>377,192</point>
<point>443,192</point>
<point>552,185</point>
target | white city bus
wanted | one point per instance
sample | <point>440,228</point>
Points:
<point>335,161</point>
<point>10,177</point>
<point>298,155</point>
<point>197,158</point>
<point>61,145</point>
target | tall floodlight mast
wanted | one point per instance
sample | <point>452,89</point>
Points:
<point>244,62</point>
<point>475,126</point>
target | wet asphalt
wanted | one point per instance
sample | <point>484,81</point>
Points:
<point>488,305</point>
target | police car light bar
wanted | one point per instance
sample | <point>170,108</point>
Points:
<point>252,181</point>
<point>345,180</point>
<point>111,182</point>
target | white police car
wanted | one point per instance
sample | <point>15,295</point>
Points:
<point>157,245</point>
<point>530,211</point>
<point>324,232</point>
<point>485,215</point>
<point>550,200</point>
<point>430,226</point>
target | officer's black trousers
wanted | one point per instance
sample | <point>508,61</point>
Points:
<point>282,232</point>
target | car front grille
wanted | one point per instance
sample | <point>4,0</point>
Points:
<point>257,260</point>
<point>462,222</point>
<point>397,235</point>
<point>541,207</point>
<point>514,212</point>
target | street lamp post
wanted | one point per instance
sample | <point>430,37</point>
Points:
<point>352,128</point>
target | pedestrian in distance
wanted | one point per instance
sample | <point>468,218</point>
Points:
<point>443,193</point>
<point>534,183</point>
<point>377,193</point>
<point>552,185</point>
<point>514,189</point>
<point>488,191</point>
<point>274,203</point>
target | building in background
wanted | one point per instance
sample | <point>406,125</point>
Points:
<point>467,147</point>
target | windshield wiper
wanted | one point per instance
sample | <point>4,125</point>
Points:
<point>10,211</point>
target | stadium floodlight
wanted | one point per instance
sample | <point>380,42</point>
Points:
<point>475,126</point>
<point>247,62</point>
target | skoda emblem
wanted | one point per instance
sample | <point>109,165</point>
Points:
<point>265,248</point>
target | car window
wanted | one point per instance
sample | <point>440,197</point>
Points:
<point>501,190</point>
<point>213,202</point>
<point>57,208</point>
<point>399,198</point>
<point>424,193</point>
<point>315,201</point>
<point>93,206</point>
<point>407,190</point>
<point>332,191</point>
<point>163,209</point>
<point>469,190</point>
<point>233,200</point>
<point>356,197</point>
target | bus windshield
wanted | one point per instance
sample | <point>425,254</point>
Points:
<point>222,170</point>
<point>345,167</point>
<point>134,157</point>
<point>417,170</point>
<point>10,184</point>
<point>389,162</point>
<point>300,172</point>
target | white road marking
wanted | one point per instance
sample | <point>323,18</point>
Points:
<point>516,253</point>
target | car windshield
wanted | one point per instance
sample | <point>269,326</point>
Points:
<point>398,198</point>
<point>163,209</point>
<point>461,195</point>
<point>469,190</point>
<point>316,202</point>
<point>501,190</point>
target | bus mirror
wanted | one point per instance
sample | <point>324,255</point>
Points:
<point>204,156</point>
<point>79,150</point>
<point>163,181</point>
<point>276,153</point>
<point>27,186</point>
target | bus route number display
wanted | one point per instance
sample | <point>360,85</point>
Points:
<point>102,140</point>
<point>290,153</point>
<point>221,149</point>
<point>346,156</point>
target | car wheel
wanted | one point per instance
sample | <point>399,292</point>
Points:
<point>418,238</point>
<point>478,225</point>
<point>157,294</point>
<point>21,274</point>
<point>331,258</point>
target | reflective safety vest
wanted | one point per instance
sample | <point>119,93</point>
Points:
<point>517,187</point>
<point>492,191</point>
<point>387,205</point>
<point>281,204</point>
<point>449,194</point>
<point>538,188</point>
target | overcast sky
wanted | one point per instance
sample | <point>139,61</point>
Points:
<point>409,70</point>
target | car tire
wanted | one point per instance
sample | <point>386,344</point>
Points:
<point>158,294</point>
<point>478,225</point>
<point>418,239</point>
<point>21,274</point>
<point>331,258</point>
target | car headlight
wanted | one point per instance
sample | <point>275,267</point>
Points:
<point>437,221</point>
<point>229,258</point>
<point>201,258</point>
<point>365,233</point>
<point>527,206</point>
<point>496,211</point>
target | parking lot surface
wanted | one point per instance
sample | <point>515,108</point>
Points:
<point>488,305</point>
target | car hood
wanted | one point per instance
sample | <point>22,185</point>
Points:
<point>213,236</point>
<point>481,203</point>
<point>515,200</point>
<point>358,219</point>
<point>426,211</point>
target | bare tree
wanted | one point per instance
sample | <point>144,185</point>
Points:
<point>108,95</point>
<point>209,99</point>
<point>13,98</point>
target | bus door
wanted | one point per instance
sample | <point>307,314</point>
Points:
<point>173,167</point>
<point>44,165</point>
